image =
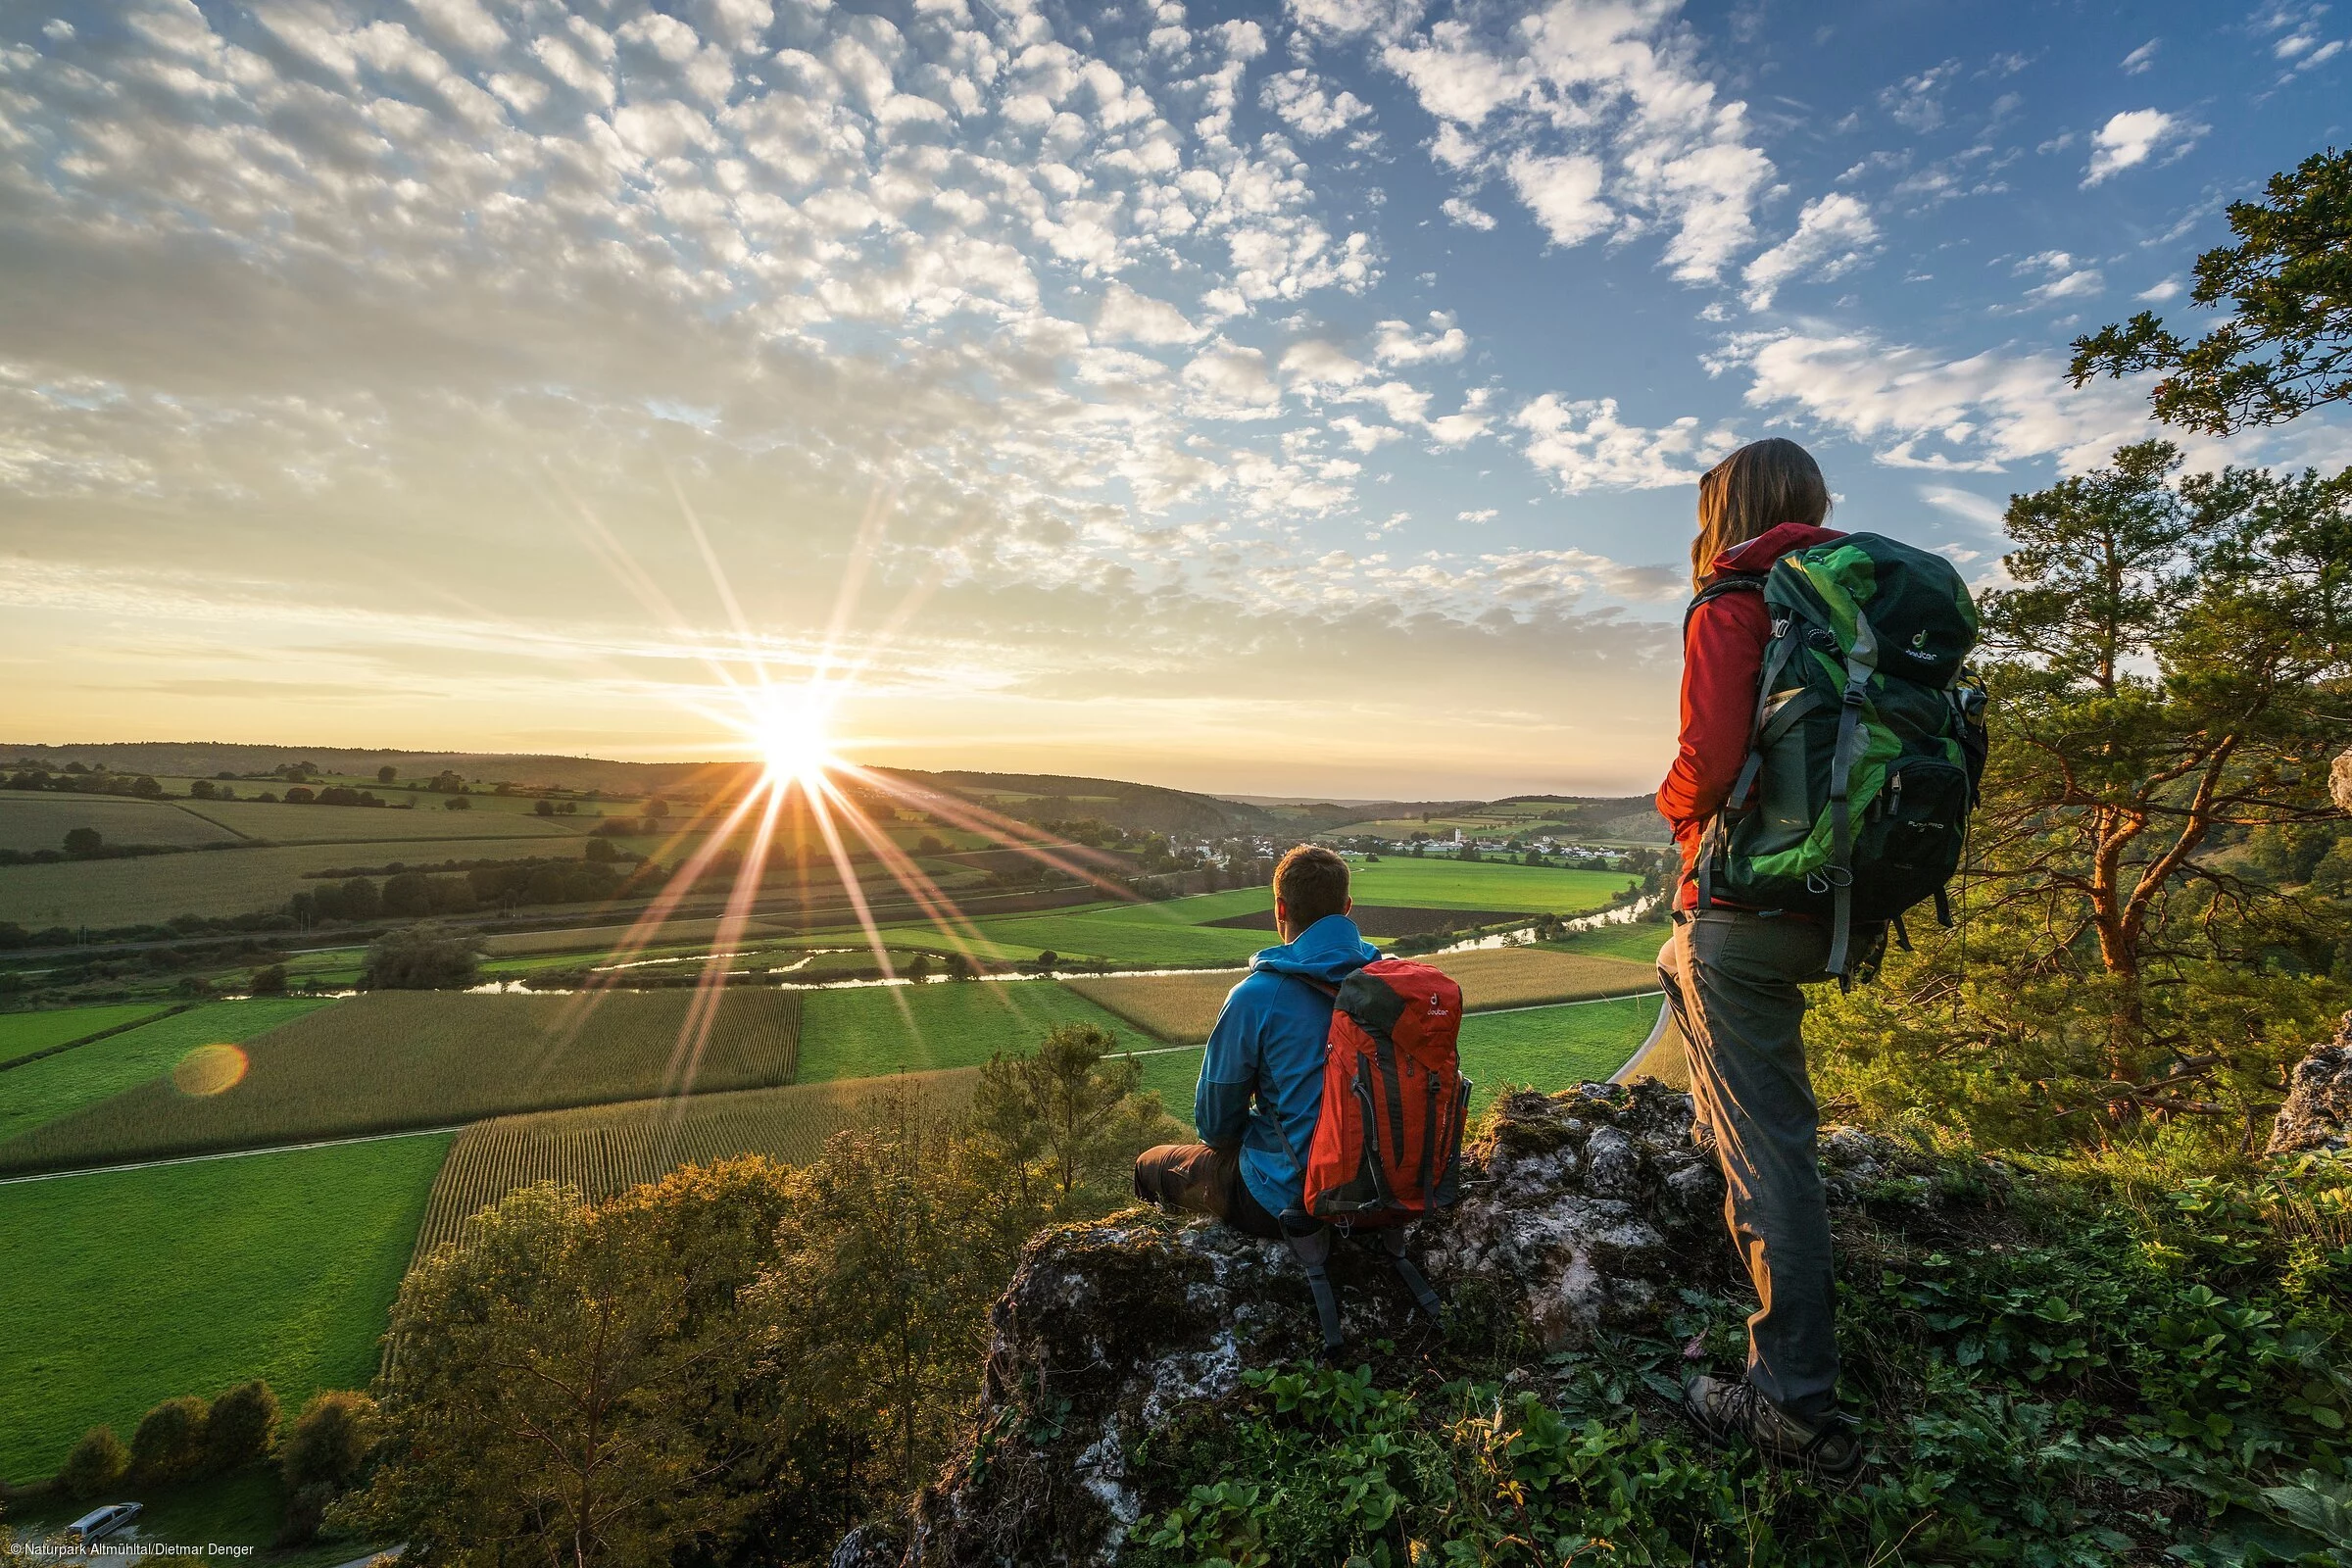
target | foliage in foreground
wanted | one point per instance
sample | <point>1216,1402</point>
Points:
<point>2070,1381</point>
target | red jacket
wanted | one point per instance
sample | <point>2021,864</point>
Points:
<point>1723,655</point>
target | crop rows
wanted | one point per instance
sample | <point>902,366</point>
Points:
<point>402,1060</point>
<point>605,1149</point>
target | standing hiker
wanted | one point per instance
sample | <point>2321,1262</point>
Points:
<point>1732,975</point>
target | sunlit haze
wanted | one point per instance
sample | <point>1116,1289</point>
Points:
<point>1302,400</point>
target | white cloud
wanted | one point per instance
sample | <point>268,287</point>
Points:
<point>1135,318</point>
<point>1916,102</point>
<point>1966,505</point>
<point>1483,515</point>
<point>1461,211</point>
<point>1301,99</point>
<point>1314,365</point>
<point>1564,194</point>
<point>1397,343</point>
<point>2081,283</point>
<point>1920,410</point>
<point>2130,139</point>
<point>1835,234</point>
<point>1233,382</point>
<point>1584,446</point>
<point>1602,118</point>
<point>2158,293</point>
<point>2141,59</point>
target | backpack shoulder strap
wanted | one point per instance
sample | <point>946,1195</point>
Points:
<point>1730,582</point>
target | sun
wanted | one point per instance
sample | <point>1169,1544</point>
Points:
<point>793,731</point>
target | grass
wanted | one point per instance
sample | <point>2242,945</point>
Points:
<point>126,1288</point>
<point>152,888</point>
<point>40,1092</point>
<point>402,1060</point>
<point>1638,941</point>
<point>41,821</point>
<point>1183,1008</point>
<point>603,1150</point>
<point>861,1032</point>
<point>1554,1048</point>
<point>1485,885</point>
<point>23,1033</point>
<point>363,824</point>
<point>1542,1048</point>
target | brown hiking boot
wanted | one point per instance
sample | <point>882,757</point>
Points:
<point>1725,1408</point>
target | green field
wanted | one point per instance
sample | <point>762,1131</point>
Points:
<point>123,1288</point>
<point>1554,1048</point>
<point>42,1091</point>
<point>411,1058</point>
<point>21,1033</point>
<point>861,1032</point>
<point>152,888</point>
<point>1540,1048</point>
<point>41,821</point>
<point>282,823</point>
<point>1483,885</point>
<point>1638,941</point>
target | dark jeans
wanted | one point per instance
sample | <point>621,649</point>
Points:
<point>1206,1181</point>
<point>1732,980</point>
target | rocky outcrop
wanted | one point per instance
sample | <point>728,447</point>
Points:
<point>2318,1114</point>
<point>1583,1212</point>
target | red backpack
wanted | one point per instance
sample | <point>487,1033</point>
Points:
<point>1387,1139</point>
<point>1394,1098</point>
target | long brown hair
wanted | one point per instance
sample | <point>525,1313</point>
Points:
<point>1758,487</point>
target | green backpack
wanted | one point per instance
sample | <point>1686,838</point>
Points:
<point>1869,742</point>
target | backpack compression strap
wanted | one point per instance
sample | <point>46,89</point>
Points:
<point>1860,663</point>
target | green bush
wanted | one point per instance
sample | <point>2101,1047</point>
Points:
<point>169,1442</point>
<point>330,1440</point>
<point>241,1427</point>
<point>96,1463</point>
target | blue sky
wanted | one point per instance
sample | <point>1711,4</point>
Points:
<point>1284,400</point>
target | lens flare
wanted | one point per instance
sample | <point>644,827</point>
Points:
<point>209,1070</point>
<point>792,727</point>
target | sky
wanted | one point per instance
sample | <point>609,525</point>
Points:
<point>1299,400</point>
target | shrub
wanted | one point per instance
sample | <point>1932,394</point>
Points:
<point>84,840</point>
<point>424,957</point>
<point>269,980</point>
<point>330,1441</point>
<point>96,1463</point>
<point>241,1426</point>
<point>169,1441</point>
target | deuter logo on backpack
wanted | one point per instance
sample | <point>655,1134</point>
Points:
<point>1854,802</point>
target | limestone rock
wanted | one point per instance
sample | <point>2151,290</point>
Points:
<point>1581,1211</point>
<point>2318,1114</point>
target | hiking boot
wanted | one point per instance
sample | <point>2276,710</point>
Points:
<point>1725,1408</point>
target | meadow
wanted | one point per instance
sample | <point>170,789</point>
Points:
<point>23,1033</point>
<point>282,823</point>
<point>42,1092</point>
<point>1483,885</point>
<point>1182,1007</point>
<point>125,1288</point>
<point>1636,942</point>
<point>867,1031</point>
<point>605,1149</point>
<point>402,1060</point>
<point>41,821</point>
<point>152,888</point>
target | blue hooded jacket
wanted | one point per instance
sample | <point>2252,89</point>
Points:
<point>1261,1081</point>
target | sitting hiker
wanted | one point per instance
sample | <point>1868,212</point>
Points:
<point>1262,1083</point>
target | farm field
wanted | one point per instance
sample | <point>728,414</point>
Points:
<point>1147,934</point>
<point>1542,1048</point>
<point>40,821</point>
<point>603,1150</point>
<point>23,1033</point>
<point>40,1092</point>
<point>279,1267</point>
<point>360,824</point>
<point>1183,1008</point>
<point>1554,1048</point>
<point>244,1509</point>
<point>1483,885</point>
<point>399,1059</point>
<point>152,888</point>
<point>1636,942</point>
<point>860,1032</point>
